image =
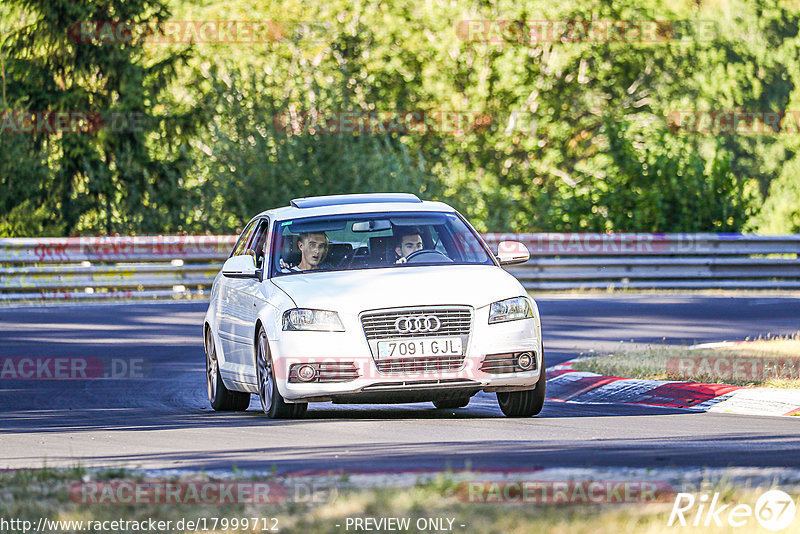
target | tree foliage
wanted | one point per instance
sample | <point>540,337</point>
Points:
<point>125,176</point>
<point>568,134</point>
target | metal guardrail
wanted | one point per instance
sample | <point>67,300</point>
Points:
<point>110,267</point>
<point>180,266</point>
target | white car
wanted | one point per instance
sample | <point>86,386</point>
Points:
<point>372,298</point>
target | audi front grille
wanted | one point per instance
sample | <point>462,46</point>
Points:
<point>417,322</point>
<point>381,324</point>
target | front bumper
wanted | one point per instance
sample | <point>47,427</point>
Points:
<point>374,386</point>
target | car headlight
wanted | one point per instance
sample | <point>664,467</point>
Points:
<point>304,319</point>
<point>510,310</point>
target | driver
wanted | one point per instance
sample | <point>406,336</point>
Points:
<point>313,249</point>
<point>408,240</point>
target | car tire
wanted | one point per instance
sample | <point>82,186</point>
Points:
<point>524,403</point>
<point>221,398</point>
<point>272,402</point>
<point>451,404</point>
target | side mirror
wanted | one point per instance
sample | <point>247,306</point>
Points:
<point>512,252</point>
<point>240,267</point>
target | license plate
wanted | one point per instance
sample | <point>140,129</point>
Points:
<point>414,348</point>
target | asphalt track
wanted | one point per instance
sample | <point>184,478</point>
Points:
<point>163,421</point>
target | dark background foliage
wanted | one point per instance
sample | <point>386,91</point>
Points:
<point>556,136</point>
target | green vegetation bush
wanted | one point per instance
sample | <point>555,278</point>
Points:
<point>557,136</point>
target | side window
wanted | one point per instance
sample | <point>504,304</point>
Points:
<point>258,242</point>
<point>239,249</point>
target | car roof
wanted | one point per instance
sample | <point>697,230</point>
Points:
<point>361,203</point>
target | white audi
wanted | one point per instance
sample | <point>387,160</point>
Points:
<point>373,298</point>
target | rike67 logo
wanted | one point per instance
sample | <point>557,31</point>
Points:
<point>774,510</point>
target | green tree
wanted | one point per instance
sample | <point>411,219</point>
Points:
<point>126,176</point>
<point>254,163</point>
<point>565,135</point>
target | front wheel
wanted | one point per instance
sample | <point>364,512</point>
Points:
<point>221,398</point>
<point>272,402</point>
<point>524,403</point>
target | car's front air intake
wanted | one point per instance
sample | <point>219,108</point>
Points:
<point>420,365</point>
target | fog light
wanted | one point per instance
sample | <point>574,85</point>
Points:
<point>525,361</point>
<point>306,373</point>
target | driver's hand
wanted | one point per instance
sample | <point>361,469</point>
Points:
<point>401,260</point>
<point>284,265</point>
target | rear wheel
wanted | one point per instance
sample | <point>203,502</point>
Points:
<point>451,404</point>
<point>221,398</point>
<point>524,403</point>
<point>272,402</point>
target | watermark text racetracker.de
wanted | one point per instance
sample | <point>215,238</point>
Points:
<point>209,492</point>
<point>419,122</point>
<point>122,248</point>
<point>565,492</point>
<point>52,122</point>
<point>176,31</point>
<point>156,526</point>
<point>575,31</point>
<point>734,122</point>
<point>71,368</point>
<point>588,244</point>
<point>733,368</point>
<point>220,32</point>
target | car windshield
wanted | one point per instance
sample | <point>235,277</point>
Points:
<point>374,240</point>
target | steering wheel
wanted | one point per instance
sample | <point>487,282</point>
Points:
<point>418,253</point>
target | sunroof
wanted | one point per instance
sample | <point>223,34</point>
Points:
<point>366,198</point>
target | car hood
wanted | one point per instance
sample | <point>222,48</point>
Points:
<point>369,289</point>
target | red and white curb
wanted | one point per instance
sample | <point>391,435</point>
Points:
<point>564,384</point>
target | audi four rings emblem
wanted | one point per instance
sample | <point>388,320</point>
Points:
<point>417,323</point>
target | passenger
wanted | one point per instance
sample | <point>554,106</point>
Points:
<point>313,249</point>
<point>408,240</point>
